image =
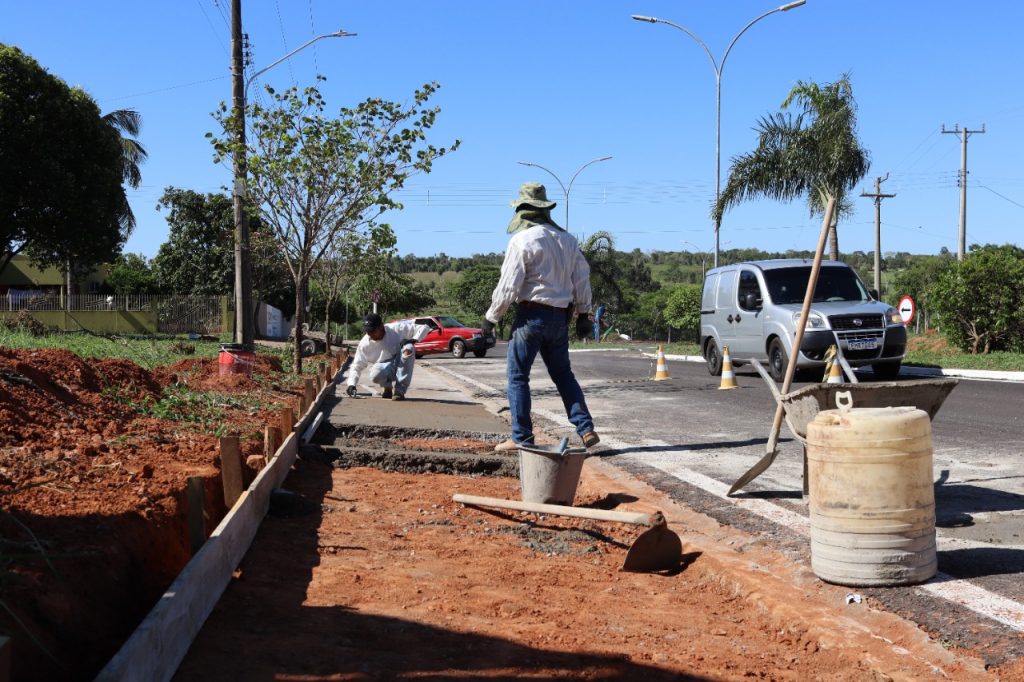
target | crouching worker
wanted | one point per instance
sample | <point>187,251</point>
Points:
<point>388,350</point>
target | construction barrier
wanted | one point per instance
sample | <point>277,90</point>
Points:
<point>728,376</point>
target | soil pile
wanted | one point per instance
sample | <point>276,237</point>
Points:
<point>94,459</point>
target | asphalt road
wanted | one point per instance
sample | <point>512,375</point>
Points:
<point>692,441</point>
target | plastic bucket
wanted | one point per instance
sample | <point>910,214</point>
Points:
<point>872,497</point>
<point>235,358</point>
<point>548,475</point>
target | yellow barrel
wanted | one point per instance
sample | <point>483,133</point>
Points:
<point>872,501</point>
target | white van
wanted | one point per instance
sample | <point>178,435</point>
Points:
<point>754,307</point>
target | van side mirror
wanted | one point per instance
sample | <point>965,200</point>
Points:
<point>873,293</point>
<point>750,302</point>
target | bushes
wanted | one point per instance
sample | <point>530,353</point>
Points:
<point>24,321</point>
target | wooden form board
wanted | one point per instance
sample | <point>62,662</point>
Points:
<point>156,648</point>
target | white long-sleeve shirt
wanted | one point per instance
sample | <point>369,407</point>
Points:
<point>545,265</point>
<point>370,352</point>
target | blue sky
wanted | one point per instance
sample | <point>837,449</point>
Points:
<point>560,83</point>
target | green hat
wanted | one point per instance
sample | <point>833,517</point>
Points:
<point>532,194</point>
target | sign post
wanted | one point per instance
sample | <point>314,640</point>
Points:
<point>907,308</point>
<point>375,297</point>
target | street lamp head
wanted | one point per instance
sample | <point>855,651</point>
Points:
<point>640,17</point>
<point>341,33</point>
<point>792,5</point>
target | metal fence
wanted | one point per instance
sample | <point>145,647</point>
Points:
<point>174,314</point>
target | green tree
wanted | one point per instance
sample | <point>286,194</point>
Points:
<point>816,153</point>
<point>131,274</point>
<point>472,291</point>
<point>917,280</point>
<point>979,300</point>
<point>683,309</point>
<point>313,177</point>
<point>61,197</point>
<point>198,256</point>
<point>605,272</point>
<point>127,124</point>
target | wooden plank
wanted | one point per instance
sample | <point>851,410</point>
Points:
<point>196,496</point>
<point>156,648</point>
<point>308,393</point>
<point>287,420</point>
<point>231,469</point>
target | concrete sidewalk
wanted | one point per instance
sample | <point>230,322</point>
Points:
<point>433,402</point>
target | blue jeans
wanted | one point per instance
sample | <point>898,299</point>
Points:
<point>547,332</point>
<point>397,371</point>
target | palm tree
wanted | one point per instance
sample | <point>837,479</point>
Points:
<point>127,123</point>
<point>599,250</point>
<point>816,152</point>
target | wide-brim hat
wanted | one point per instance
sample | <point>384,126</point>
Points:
<point>532,194</point>
<point>372,322</point>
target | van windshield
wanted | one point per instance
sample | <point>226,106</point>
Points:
<point>787,285</point>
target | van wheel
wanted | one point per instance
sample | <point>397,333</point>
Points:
<point>777,360</point>
<point>713,358</point>
<point>886,371</point>
<point>459,348</point>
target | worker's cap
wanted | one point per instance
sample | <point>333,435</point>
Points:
<point>372,322</point>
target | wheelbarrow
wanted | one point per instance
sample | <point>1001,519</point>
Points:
<point>802,405</point>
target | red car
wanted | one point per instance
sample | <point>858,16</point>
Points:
<point>448,335</point>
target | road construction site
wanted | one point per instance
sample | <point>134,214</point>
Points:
<point>367,568</point>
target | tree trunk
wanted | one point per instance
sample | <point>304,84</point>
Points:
<point>327,323</point>
<point>833,241</point>
<point>299,320</point>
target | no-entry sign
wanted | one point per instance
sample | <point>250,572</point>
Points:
<point>906,307</point>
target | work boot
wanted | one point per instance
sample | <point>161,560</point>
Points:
<point>398,396</point>
<point>387,393</point>
<point>590,439</point>
<point>506,446</point>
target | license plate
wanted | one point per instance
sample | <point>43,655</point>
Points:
<point>870,344</point>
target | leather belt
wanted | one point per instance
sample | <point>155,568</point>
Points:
<point>543,306</point>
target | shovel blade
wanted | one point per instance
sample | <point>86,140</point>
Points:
<point>656,549</point>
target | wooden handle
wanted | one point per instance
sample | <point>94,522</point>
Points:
<point>636,518</point>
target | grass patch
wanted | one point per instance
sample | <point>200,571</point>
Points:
<point>147,352</point>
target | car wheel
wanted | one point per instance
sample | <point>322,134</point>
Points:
<point>458,348</point>
<point>308,347</point>
<point>886,371</point>
<point>480,353</point>
<point>419,355</point>
<point>777,360</point>
<point>713,357</point>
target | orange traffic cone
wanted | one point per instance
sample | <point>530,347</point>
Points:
<point>728,377</point>
<point>661,370</point>
<point>835,373</point>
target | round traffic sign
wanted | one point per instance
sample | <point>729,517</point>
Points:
<point>906,307</point>
<point>375,296</point>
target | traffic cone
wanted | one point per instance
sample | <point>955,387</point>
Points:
<point>835,375</point>
<point>661,370</point>
<point>728,377</point>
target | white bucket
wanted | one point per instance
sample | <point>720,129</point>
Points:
<point>549,476</point>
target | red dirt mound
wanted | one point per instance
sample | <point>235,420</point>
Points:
<point>94,459</point>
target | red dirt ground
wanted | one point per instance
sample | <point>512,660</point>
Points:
<point>98,489</point>
<point>375,575</point>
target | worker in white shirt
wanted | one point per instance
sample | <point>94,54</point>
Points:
<point>389,351</point>
<point>546,275</point>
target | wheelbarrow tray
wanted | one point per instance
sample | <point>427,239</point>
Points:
<point>803,404</point>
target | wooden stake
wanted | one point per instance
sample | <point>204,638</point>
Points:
<point>287,421</point>
<point>308,393</point>
<point>271,441</point>
<point>231,469</point>
<point>195,494</point>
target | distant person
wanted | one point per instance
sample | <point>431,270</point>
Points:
<point>545,273</point>
<point>389,351</point>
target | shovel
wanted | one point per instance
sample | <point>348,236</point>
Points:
<point>656,549</point>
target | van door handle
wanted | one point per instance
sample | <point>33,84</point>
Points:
<point>737,317</point>
<point>729,319</point>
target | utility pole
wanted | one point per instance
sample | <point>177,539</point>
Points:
<point>244,329</point>
<point>878,196</point>
<point>964,134</point>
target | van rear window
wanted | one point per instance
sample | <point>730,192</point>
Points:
<point>787,285</point>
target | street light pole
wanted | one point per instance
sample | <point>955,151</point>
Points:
<point>565,190</point>
<point>245,332</point>
<point>718,66</point>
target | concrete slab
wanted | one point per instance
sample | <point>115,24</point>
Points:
<point>433,402</point>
